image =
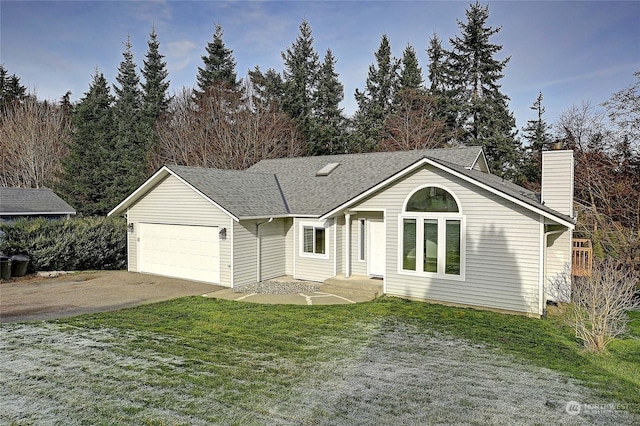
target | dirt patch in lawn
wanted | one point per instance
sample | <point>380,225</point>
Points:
<point>39,298</point>
<point>398,374</point>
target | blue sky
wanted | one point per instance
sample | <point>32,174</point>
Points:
<point>571,51</point>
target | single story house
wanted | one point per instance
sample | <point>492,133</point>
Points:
<point>29,203</point>
<point>434,225</point>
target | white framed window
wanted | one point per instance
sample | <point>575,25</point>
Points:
<point>432,234</point>
<point>362,240</point>
<point>314,239</point>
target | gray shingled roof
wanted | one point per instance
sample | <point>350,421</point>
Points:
<point>18,201</point>
<point>290,186</point>
<point>308,194</point>
<point>241,193</point>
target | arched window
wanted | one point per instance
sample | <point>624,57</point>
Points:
<point>432,234</point>
<point>432,199</point>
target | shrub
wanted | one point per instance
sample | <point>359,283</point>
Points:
<point>81,243</point>
<point>598,303</point>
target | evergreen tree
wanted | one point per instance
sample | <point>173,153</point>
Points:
<point>267,88</point>
<point>329,124</point>
<point>155,99</point>
<point>10,89</point>
<point>375,103</point>
<point>444,108</point>
<point>538,136</point>
<point>299,76</point>
<point>130,144</point>
<point>87,174</point>
<point>482,110</point>
<point>219,66</point>
<point>410,72</point>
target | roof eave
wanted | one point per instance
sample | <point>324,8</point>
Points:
<point>279,216</point>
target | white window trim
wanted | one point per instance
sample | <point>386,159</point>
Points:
<point>362,240</point>
<point>441,217</point>
<point>316,225</point>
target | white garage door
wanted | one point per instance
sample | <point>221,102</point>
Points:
<point>189,252</point>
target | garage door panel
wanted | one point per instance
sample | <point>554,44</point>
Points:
<point>190,252</point>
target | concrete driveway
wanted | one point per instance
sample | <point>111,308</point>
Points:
<point>39,298</point>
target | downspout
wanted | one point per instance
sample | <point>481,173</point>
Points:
<point>347,248</point>
<point>544,267</point>
<point>259,248</point>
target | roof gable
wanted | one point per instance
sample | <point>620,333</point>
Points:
<point>28,201</point>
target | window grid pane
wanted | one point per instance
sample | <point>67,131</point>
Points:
<point>452,265</point>
<point>308,239</point>
<point>409,245</point>
<point>362,239</point>
<point>431,245</point>
<point>320,243</point>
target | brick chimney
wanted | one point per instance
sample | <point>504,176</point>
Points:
<point>557,180</point>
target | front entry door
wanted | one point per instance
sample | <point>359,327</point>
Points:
<point>376,247</point>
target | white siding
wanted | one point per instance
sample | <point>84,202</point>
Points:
<point>314,268</point>
<point>558,257</point>
<point>272,249</point>
<point>502,247</point>
<point>172,202</point>
<point>288,246</point>
<point>340,244</point>
<point>245,260</point>
<point>557,181</point>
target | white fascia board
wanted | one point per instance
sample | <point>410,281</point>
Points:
<point>425,161</point>
<point>153,181</point>
<point>142,189</point>
<point>225,211</point>
<point>514,200</point>
<point>373,189</point>
<point>482,157</point>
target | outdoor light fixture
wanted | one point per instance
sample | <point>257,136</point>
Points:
<point>223,233</point>
<point>130,227</point>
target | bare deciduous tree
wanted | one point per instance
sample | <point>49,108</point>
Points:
<point>607,178</point>
<point>223,130</point>
<point>33,140</point>
<point>413,126</point>
<point>598,303</point>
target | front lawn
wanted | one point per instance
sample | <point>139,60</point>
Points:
<point>206,361</point>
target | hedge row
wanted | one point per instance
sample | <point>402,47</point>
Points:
<point>83,243</point>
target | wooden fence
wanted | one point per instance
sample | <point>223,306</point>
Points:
<point>581,257</point>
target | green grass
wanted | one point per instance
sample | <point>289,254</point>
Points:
<point>258,347</point>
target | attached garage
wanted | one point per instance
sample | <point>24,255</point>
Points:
<point>188,252</point>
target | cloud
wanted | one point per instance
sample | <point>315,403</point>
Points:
<point>599,73</point>
<point>179,54</point>
<point>157,12</point>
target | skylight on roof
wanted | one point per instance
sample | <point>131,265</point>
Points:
<point>326,170</point>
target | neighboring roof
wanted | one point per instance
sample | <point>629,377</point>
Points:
<point>293,187</point>
<point>31,202</point>
<point>308,194</point>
